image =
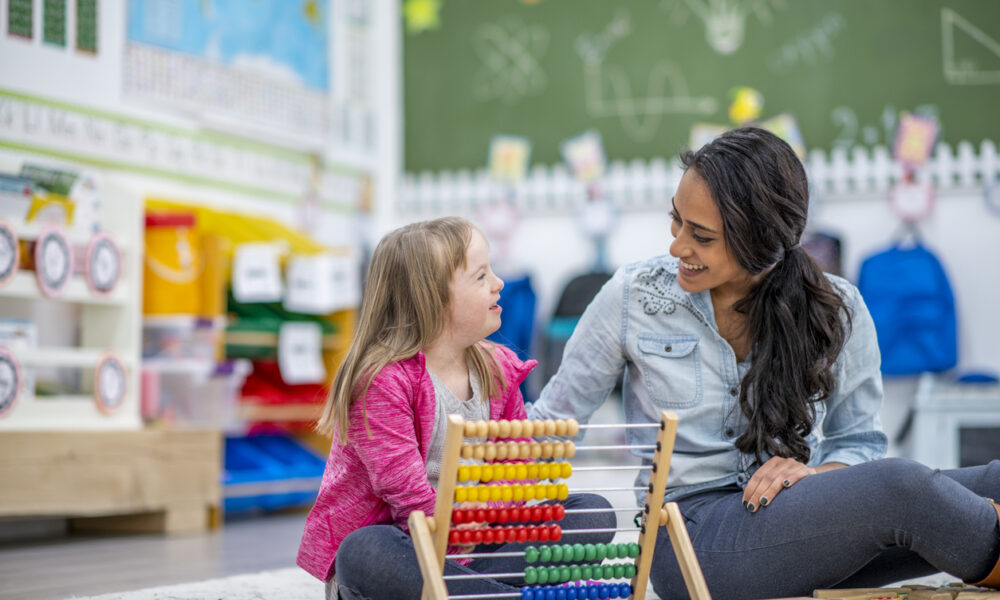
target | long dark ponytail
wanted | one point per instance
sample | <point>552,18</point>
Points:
<point>796,322</point>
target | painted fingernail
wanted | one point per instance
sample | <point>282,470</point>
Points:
<point>786,483</point>
<point>763,500</point>
<point>750,507</point>
<point>744,504</point>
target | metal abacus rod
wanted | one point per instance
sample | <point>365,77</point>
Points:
<point>431,534</point>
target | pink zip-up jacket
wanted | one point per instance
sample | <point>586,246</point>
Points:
<point>382,478</point>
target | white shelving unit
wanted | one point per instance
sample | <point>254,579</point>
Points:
<point>78,327</point>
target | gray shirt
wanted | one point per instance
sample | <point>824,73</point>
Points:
<point>473,409</point>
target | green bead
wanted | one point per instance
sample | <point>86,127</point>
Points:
<point>568,553</point>
<point>555,572</point>
<point>564,574</point>
<point>578,552</point>
<point>530,575</point>
<point>602,551</point>
<point>633,550</point>
<point>574,573</point>
<point>545,554</point>
<point>557,553</point>
<point>586,572</point>
<point>590,553</point>
<point>543,575</point>
<point>530,554</point>
<point>619,570</point>
<point>629,570</point>
<point>609,571</point>
<point>621,550</point>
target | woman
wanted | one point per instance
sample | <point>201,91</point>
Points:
<point>773,369</point>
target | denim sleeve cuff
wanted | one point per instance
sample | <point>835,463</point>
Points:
<point>861,448</point>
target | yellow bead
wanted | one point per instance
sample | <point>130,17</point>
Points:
<point>550,427</point>
<point>493,429</point>
<point>517,493</point>
<point>532,471</point>
<point>561,427</point>
<point>543,471</point>
<point>469,429</point>
<point>563,491</point>
<point>487,473</point>
<point>475,472</point>
<point>521,472</point>
<point>504,428</point>
<point>496,492</point>
<point>540,489</point>
<point>567,470</point>
<point>463,473</point>
<point>529,492</point>
<point>461,494</point>
<point>570,449</point>
<point>507,495</point>
<point>481,429</point>
<point>551,491</point>
<point>515,429</point>
<point>509,472</point>
<point>572,427</point>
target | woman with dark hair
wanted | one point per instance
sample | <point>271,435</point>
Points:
<point>773,368</point>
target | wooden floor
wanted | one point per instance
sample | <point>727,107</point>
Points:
<point>62,567</point>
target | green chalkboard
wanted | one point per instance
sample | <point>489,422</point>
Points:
<point>642,72</point>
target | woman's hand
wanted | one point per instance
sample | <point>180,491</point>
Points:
<point>771,478</point>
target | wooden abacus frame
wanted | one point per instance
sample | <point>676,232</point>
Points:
<point>430,534</point>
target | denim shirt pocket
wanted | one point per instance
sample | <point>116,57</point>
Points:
<point>671,366</point>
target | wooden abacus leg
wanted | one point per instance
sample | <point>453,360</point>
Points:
<point>445,500</point>
<point>654,499</point>
<point>430,567</point>
<point>693,578</point>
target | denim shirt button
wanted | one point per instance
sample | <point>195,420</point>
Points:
<point>730,433</point>
<point>734,392</point>
<point>668,348</point>
<point>740,478</point>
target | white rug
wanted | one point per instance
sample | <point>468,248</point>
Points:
<point>282,584</point>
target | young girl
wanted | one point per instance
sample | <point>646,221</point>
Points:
<point>418,355</point>
<point>773,369</point>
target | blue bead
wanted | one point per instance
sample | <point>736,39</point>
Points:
<point>605,591</point>
<point>627,590</point>
<point>550,594</point>
<point>592,592</point>
<point>561,593</point>
<point>527,594</point>
<point>571,593</point>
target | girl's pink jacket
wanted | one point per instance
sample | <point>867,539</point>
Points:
<point>382,478</point>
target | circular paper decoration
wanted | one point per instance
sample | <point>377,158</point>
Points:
<point>110,383</point>
<point>53,261</point>
<point>104,264</point>
<point>10,381</point>
<point>912,201</point>
<point>10,253</point>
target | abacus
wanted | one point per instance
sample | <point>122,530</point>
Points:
<point>551,566</point>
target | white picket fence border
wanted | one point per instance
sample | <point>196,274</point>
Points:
<point>645,184</point>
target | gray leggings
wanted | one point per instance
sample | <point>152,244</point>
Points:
<point>861,526</point>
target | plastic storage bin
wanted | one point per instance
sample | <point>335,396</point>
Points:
<point>173,265</point>
<point>269,472</point>
<point>194,394</point>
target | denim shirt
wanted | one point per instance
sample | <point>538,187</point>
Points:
<point>668,345</point>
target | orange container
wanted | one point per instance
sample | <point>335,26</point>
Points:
<point>173,265</point>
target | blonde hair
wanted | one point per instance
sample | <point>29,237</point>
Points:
<point>403,310</point>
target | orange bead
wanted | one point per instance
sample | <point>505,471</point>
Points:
<point>481,429</point>
<point>570,449</point>
<point>467,451</point>
<point>504,428</point>
<point>515,429</point>
<point>469,429</point>
<point>491,451</point>
<point>536,450</point>
<point>527,428</point>
<point>493,429</point>
<point>550,427</point>
<point>572,427</point>
<point>547,449</point>
<point>561,427</point>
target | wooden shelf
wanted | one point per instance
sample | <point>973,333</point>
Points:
<point>24,285</point>
<point>280,412</point>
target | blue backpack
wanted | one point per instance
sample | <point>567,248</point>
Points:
<point>911,302</point>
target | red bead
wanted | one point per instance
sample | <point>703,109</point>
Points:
<point>558,512</point>
<point>503,515</point>
<point>555,533</point>
<point>536,514</point>
<point>522,534</point>
<point>515,514</point>
<point>480,515</point>
<point>543,534</point>
<point>477,536</point>
<point>457,516</point>
<point>504,535</point>
<point>491,515</point>
<point>454,536</point>
<point>488,536</point>
<point>532,534</point>
<point>547,513</point>
<point>466,536</point>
